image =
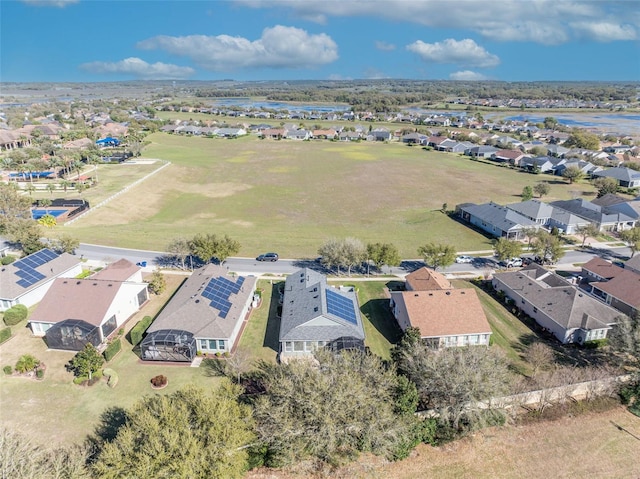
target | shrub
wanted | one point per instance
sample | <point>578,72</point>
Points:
<point>136,333</point>
<point>112,377</point>
<point>40,373</point>
<point>111,350</point>
<point>5,334</point>
<point>7,260</point>
<point>596,343</point>
<point>8,370</point>
<point>15,314</point>
<point>27,363</point>
<point>159,381</point>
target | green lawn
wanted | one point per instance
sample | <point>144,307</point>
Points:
<point>56,411</point>
<point>260,336</point>
<point>291,196</point>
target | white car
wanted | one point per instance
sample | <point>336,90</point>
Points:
<point>464,259</point>
<point>514,262</point>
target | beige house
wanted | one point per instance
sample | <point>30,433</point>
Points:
<point>445,316</point>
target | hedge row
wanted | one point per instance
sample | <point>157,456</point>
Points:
<point>136,333</point>
<point>15,314</point>
<point>113,349</point>
<point>5,334</point>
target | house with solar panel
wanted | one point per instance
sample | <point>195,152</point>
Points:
<point>316,315</point>
<point>206,314</point>
<point>75,312</point>
<point>27,280</point>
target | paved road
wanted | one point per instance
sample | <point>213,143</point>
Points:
<point>479,266</point>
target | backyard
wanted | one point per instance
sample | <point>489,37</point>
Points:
<point>292,196</point>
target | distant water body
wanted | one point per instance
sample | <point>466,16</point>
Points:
<point>279,105</point>
<point>609,122</point>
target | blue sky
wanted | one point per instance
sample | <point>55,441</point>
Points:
<point>510,40</point>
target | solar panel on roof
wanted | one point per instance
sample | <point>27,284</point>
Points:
<point>26,267</point>
<point>218,291</point>
<point>340,306</point>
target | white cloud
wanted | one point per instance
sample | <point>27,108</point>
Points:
<point>385,47</point>
<point>605,31</point>
<point>338,77</point>
<point>140,69</point>
<point>467,75</point>
<point>279,47</point>
<point>548,22</point>
<point>50,3</point>
<point>464,52</point>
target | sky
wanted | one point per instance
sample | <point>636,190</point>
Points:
<point>505,40</point>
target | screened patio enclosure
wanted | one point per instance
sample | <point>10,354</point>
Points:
<point>168,345</point>
<point>346,342</point>
<point>72,335</point>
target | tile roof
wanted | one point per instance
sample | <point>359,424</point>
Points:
<point>444,312</point>
<point>188,310</point>
<point>425,279</point>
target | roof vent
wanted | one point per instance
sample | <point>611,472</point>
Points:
<point>416,295</point>
<point>95,284</point>
<point>430,294</point>
<point>78,282</point>
<point>580,294</point>
<point>448,293</point>
<point>462,292</point>
<point>197,300</point>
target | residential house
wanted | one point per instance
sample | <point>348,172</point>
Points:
<point>274,133</point>
<point>604,219</point>
<point>513,157</point>
<point>447,145</point>
<point>496,220</point>
<point>571,315</point>
<point>27,280</point>
<point>415,139</point>
<point>630,208</point>
<point>586,168</point>
<point>626,177</point>
<point>75,312</point>
<point>617,149</point>
<point>379,134</point>
<point>350,136</point>
<point>508,140</point>
<point>298,134</point>
<point>618,287</point>
<point>206,314</point>
<point>535,210</point>
<point>556,150</point>
<point>316,315</point>
<point>231,132</point>
<point>460,147</point>
<point>446,317</point>
<point>543,164</point>
<point>633,264</point>
<point>482,151</point>
<point>325,134</point>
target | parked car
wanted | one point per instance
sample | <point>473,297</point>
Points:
<point>268,257</point>
<point>464,259</point>
<point>513,263</point>
<point>142,264</point>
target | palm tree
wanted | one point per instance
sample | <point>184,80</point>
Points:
<point>93,159</point>
<point>30,189</point>
<point>78,165</point>
<point>51,187</point>
<point>65,184</point>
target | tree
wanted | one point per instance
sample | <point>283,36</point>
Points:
<point>14,209</point>
<point>572,173</point>
<point>632,238</point>
<point>332,411</point>
<point>191,433</point>
<point>586,231</point>
<point>527,193</point>
<point>579,138</point>
<point>180,248</point>
<point>383,253</point>
<point>506,248</point>
<point>550,123</point>
<point>538,151</point>
<point>605,185</point>
<point>157,283</point>
<point>86,362</point>
<point>208,246</point>
<point>65,244</point>
<point>48,221</point>
<point>27,363</point>
<point>541,189</point>
<point>20,458</point>
<point>437,255</point>
<point>547,246</point>
<point>347,253</point>
<point>539,356</point>
<point>226,247</point>
<point>452,381</point>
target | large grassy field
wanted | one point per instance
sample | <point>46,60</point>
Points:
<point>291,196</point>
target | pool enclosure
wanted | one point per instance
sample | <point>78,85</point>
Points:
<point>168,345</point>
<point>72,335</point>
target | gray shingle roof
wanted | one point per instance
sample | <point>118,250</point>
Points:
<point>304,310</point>
<point>499,216</point>
<point>590,211</point>
<point>188,310</point>
<point>620,173</point>
<point>558,299</point>
<point>532,209</point>
<point>9,287</point>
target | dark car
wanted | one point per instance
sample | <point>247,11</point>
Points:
<point>268,257</point>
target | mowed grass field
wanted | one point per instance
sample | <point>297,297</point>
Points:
<point>291,196</point>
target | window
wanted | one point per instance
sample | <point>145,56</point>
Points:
<point>308,346</point>
<point>222,345</point>
<point>288,346</point>
<point>298,346</point>
<point>203,344</point>
<point>213,344</point>
<point>109,326</point>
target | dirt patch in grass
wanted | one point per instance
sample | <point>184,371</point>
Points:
<point>589,445</point>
